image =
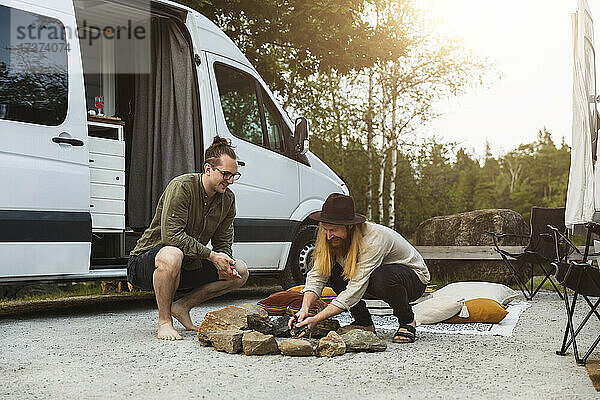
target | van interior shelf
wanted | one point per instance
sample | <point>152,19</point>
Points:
<point>106,119</point>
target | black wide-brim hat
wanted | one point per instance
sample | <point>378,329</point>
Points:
<point>338,209</point>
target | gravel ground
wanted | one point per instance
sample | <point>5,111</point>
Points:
<point>114,353</point>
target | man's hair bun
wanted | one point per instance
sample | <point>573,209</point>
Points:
<point>219,146</point>
<point>220,141</point>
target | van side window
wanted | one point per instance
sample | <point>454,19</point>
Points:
<point>33,68</point>
<point>240,103</point>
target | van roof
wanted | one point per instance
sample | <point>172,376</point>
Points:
<point>211,37</point>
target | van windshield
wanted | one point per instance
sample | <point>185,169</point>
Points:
<point>33,68</point>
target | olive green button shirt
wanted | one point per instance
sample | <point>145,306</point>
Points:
<point>185,219</point>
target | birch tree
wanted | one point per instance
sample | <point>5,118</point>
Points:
<point>432,67</point>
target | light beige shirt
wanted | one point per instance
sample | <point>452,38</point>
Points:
<point>380,245</point>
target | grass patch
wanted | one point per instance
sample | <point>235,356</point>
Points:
<point>46,291</point>
<point>50,291</point>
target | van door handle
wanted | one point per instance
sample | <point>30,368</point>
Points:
<point>72,142</point>
<point>241,163</point>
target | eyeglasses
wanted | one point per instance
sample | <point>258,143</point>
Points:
<point>226,174</point>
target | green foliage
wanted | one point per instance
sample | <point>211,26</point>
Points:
<point>440,179</point>
<point>292,39</point>
<point>366,73</point>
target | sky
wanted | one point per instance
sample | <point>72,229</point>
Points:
<point>529,42</point>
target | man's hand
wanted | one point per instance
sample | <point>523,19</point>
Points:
<point>225,266</point>
<point>309,322</point>
<point>298,317</point>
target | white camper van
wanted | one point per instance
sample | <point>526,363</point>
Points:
<point>102,102</point>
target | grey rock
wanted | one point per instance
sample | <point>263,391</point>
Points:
<point>256,343</point>
<point>468,229</point>
<point>229,341</point>
<point>360,340</point>
<point>296,347</point>
<point>258,318</point>
<point>280,326</point>
<point>314,342</point>
<point>331,345</point>
<point>296,331</point>
<point>348,328</point>
<point>322,328</point>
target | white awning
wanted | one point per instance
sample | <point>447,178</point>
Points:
<point>580,205</point>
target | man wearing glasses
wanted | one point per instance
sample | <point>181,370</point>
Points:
<point>172,255</point>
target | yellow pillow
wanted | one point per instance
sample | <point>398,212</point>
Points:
<point>326,295</point>
<point>481,310</point>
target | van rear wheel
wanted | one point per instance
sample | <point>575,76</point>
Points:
<point>297,265</point>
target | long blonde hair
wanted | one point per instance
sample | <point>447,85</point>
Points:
<point>324,260</point>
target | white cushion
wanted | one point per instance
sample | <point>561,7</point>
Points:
<point>478,290</point>
<point>437,309</point>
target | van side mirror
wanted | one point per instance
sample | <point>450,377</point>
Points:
<point>300,135</point>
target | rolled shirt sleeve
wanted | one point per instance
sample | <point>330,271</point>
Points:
<point>223,236</point>
<point>315,282</point>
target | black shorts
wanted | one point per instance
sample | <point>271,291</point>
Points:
<point>140,270</point>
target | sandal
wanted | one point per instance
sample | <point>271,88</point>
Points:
<point>411,335</point>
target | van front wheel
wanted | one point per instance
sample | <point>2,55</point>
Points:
<point>297,265</point>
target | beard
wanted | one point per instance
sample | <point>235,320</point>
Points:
<point>339,247</point>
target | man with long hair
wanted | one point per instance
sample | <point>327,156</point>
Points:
<point>362,259</point>
<point>172,254</point>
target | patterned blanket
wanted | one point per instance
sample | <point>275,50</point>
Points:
<point>504,328</point>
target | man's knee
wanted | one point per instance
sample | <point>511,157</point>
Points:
<point>379,278</point>
<point>381,283</point>
<point>242,269</point>
<point>169,258</point>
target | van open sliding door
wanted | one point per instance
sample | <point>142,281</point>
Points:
<point>45,223</point>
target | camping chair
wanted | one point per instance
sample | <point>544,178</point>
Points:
<point>540,251</point>
<point>584,280</point>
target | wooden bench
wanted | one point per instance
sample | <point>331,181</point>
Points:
<point>472,253</point>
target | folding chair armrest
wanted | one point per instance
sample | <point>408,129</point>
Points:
<point>501,235</point>
<point>506,253</point>
<point>593,227</point>
<point>496,236</point>
<point>558,235</point>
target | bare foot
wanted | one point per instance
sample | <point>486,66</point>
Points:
<point>167,332</point>
<point>183,315</point>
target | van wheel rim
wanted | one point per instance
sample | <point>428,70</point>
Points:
<point>304,258</point>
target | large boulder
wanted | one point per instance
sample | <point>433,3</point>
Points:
<point>468,229</point>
